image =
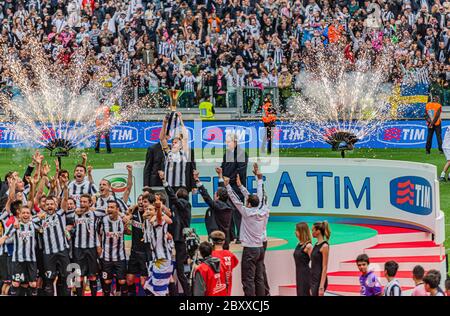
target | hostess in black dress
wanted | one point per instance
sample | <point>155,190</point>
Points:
<point>302,270</point>
<point>316,269</point>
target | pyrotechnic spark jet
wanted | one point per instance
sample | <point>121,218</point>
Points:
<point>59,101</point>
<point>338,96</point>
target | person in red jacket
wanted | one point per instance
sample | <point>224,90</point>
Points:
<point>209,277</point>
<point>228,260</point>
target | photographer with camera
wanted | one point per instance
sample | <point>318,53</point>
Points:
<point>209,276</point>
<point>181,217</point>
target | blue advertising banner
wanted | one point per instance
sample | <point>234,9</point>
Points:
<point>209,134</point>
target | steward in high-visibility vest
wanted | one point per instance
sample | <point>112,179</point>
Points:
<point>115,112</point>
<point>269,118</point>
<point>206,110</point>
<point>433,112</point>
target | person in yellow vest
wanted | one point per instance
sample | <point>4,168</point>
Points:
<point>433,112</point>
<point>103,124</point>
<point>269,118</point>
<point>206,109</point>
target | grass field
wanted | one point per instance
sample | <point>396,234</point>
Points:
<point>18,159</point>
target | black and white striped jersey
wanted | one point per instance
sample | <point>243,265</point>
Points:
<point>102,203</point>
<point>54,233</point>
<point>4,217</point>
<point>161,246</point>
<point>112,239</point>
<point>164,49</point>
<point>85,227</point>
<point>147,232</point>
<point>70,216</point>
<point>24,240</point>
<point>175,168</point>
<point>189,83</point>
<point>78,189</point>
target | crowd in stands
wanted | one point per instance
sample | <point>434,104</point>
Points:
<point>211,48</point>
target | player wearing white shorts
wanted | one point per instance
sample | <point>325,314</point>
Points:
<point>446,149</point>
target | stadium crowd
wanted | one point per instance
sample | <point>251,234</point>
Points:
<point>210,48</point>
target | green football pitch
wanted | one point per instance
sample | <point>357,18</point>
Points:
<point>12,159</point>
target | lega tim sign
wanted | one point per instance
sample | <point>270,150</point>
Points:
<point>412,194</point>
<point>350,190</point>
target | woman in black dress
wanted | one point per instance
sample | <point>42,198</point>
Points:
<point>319,258</point>
<point>302,255</point>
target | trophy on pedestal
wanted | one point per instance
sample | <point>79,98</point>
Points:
<point>173,120</point>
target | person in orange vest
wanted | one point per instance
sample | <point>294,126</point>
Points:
<point>102,122</point>
<point>269,118</point>
<point>433,112</point>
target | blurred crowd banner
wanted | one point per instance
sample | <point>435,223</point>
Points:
<point>210,134</point>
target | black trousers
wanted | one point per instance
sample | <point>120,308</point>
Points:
<point>267,139</point>
<point>266,281</point>
<point>438,130</point>
<point>236,216</point>
<point>107,140</point>
<point>252,271</point>
<point>180,258</point>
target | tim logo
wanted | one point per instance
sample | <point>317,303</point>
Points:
<point>403,134</point>
<point>8,136</point>
<point>287,134</point>
<point>123,135</point>
<point>151,134</point>
<point>412,194</point>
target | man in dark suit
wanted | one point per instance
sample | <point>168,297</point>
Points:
<point>235,162</point>
<point>154,161</point>
<point>220,210</point>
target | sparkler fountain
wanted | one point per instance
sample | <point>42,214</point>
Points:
<point>342,102</point>
<point>58,101</point>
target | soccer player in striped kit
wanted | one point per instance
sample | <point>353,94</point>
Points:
<point>81,185</point>
<point>106,193</point>
<point>86,243</point>
<point>56,246</point>
<point>140,255</point>
<point>161,242</point>
<point>24,268</point>
<point>111,231</point>
<point>7,219</point>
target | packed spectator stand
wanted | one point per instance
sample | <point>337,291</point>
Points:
<point>231,52</point>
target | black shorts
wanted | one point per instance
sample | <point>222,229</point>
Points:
<point>138,263</point>
<point>56,264</point>
<point>111,269</point>
<point>24,272</point>
<point>5,268</point>
<point>87,260</point>
<point>40,262</point>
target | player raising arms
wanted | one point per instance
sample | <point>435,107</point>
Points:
<point>86,243</point>
<point>112,251</point>
<point>23,233</point>
<point>106,193</point>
